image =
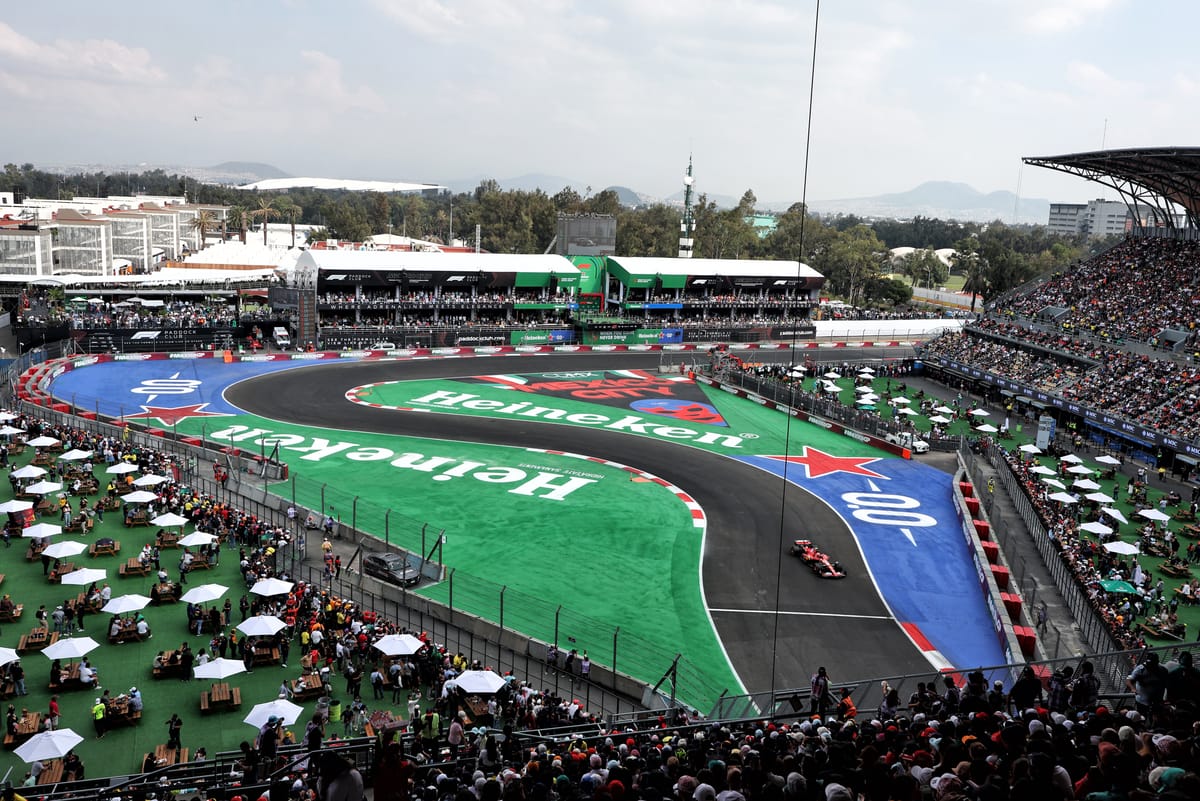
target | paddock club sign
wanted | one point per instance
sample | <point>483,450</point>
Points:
<point>1107,422</point>
<point>416,278</point>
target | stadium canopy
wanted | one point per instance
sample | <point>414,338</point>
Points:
<point>346,268</point>
<point>281,184</point>
<point>1146,176</point>
<point>673,273</point>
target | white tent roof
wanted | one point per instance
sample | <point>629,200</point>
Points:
<point>273,184</point>
<point>251,253</point>
<point>434,262</point>
<point>656,265</point>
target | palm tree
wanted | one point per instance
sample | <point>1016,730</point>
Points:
<point>201,224</point>
<point>292,212</point>
<point>974,267</point>
<point>239,216</point>
<point>266,209</point>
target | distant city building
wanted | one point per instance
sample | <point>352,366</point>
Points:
<point>586,235</point>
<point>1096,218</point>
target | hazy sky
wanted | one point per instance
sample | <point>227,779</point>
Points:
<point>605,91</point>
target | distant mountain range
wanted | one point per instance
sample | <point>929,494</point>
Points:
<point>945,200</point>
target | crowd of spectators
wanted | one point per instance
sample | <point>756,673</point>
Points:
<point>1042,369</point>
<point>1132,291</point>
<point>137,313</point>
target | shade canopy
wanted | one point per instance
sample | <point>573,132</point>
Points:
<point>121,467</point>
<point>1063,497</point>
<point>398,645</point>
<point>1154,514</point>
<point>937,418</point>
<point>1116,585</point>
<point>219,668</point>
<point>1079,470</point>
<point>84,575</point>
<point>149,480</point>
<point>1029,447</point>
<point>170,519</point>
<point>1054,482</point>
<point>1115,514</point>
<point>8,655</point>
<point>1041,470</point>
<point>1096,528</point>
<point>41,530</point>
<point>139,496</point>
<point>64,550</point>
<point>28,471</point>
<point>1106,459</point>
<point>1071,458</point>
<point>271,586</point>
<point>1100,497</point>
<point>74,455</point>
<point>70,648</point>
<point>124,604</point>
<point>198,538</point>
<point>1122,547</point>
<point>43,487</point>
<point>42,442</point>
<point>287,712</point>
<point>205,593</point>
<point>48,745</point>
<point>980,413</point>
<point>1086,484</point>
<point>479,681</point>
<point>261,626</point>
<point>987,428</point>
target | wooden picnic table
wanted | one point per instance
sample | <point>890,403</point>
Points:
<point>307,686</point>
<point>55,576</point>
<point>52,772</point>
<point>28,725</point>
<point>36,640</point>
<point>165,593</point>
<point>170,756</point>
<point>12,616</point>
<point>102,548</point>
<point>167,539</point>
<point>220,696</point>
<point>137,517</point>
<point>68,679</point>
<point>266,655</point>
<point>119,713</point>
<point>135,567</point>
<point>168,669</point>
<point>127,633</point>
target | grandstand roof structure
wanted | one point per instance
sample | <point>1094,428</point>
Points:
<point>1158,177</point>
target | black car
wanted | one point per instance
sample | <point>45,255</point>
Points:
<point>392,568</point>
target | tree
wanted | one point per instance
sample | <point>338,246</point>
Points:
<point>886,291</point>
<point>293,212</point>
<point>379,215</point>
<point>204,221</point>
<point>266,210</point>
<point>568,201</point>
<point>924,268</point>
<point>239,217</point>
<point>967,261</point>
<point>851,258</point>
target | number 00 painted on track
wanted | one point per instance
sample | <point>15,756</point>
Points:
<point>887,510</point>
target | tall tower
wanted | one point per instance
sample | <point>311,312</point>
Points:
<point>687,226</point>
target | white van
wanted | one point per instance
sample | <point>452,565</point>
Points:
<point>283,340</point>
<point>906,439</point>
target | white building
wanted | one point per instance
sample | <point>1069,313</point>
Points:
<point>1096,218</point>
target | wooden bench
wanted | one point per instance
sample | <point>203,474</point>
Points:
<point>33,554</point>
<point>235,700</point>
<point>139,518</point>
<point>29,643</point>
<point>13,616</point>
<point>134,567</point>
<point>80,524</point>
<point>105,550</point>
<point>52,772</point>
<point>170,756</point>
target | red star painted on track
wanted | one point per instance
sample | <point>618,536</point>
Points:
<point>169,416</point>
<point>818,463</point>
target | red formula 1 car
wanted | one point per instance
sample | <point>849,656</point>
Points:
<point>817,560</point>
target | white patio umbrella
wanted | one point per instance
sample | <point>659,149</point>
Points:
<point>219,668</point>
<point>198,538</point>
<point>70,648</point>
<point>980,413</point>
<point>7,417</point>
<point>987,429</point>
<point>42,442</point>
<point>8,655</point>
<point>28,471</point>
<point>863,388</point>
<point>1072,458</point>
<point>1096,528</point>
<point>261,626</point>
<point>906,410</point>
<point>1054,482</point>
<point>832,374</point>
<point>121,467</point>
<point>1029,447</point>
<point>205,593</point>
<point>866,370</point>
<point>149,480</point>
<point>43,487</point>
<point>479,681</point>
<point>943,410</point>
<point>169,519</point>
<point>901,400</point>
<point>398,645</point>
<point>84,575</point>
<point>1106,459</point>
<point>74,455</point>
<point>1085,484</point>
<point>1122,547</point>
<point>281,708</point>
<point>271,586</point>
<point>48,745</point>
<point>139,496</point>
<point>1080,470</point>
<point>16,506</point>
<point>8,431</point>
<point>41,530</point>
<point>126,603</point>
<point>64,549</point>
<point>937,418</point>
<point>1154,514</point>
<point>1100,497</point>
<point>1115,514</point>
<point>1063,497</point>
<point>1041,470</point>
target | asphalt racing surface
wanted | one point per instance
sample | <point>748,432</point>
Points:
<point>752,517</point>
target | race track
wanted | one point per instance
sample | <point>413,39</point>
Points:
<point>746,573</point>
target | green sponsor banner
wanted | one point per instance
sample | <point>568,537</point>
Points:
<point>528,337</point>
